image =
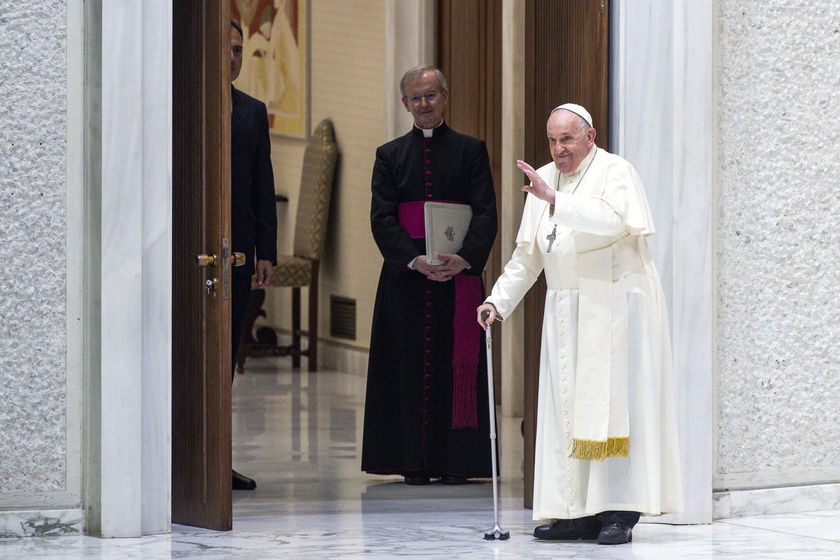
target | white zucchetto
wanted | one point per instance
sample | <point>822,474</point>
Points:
<point>578,110</point>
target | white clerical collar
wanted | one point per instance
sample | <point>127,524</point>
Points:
<point>428,132</point>
<point>583,164</point>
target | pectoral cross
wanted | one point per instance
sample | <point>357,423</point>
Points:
<point>551,237</point>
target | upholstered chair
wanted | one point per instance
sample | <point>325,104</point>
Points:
<point>300,269</point>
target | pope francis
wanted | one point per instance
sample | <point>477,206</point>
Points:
<point>606,443</point>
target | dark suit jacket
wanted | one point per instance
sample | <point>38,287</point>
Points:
<point>253,210</point>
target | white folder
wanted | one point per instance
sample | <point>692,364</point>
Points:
<point>446,226</point>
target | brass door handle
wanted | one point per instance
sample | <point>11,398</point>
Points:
<point>206,260</point>
<point>236,259</point>
<point>228,258</point>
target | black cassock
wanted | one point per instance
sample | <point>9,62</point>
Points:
<point>408,407</point>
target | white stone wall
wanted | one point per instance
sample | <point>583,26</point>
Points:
<point>33,402</point>
<point>778,246</point>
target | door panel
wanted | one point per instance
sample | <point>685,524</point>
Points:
<point>472,64</point>
<point>567,61</point>
<point>201,361</point>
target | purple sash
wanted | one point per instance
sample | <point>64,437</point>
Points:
<point>412,218</point>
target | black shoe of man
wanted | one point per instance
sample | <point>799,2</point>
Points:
<point>615,532</point>
<point>242,482</point>
<point>417,480</point>
<point>585,528</point>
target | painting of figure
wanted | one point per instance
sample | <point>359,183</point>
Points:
<point>274,67</point>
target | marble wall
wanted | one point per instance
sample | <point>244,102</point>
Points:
<point>86,212</point>
<point>778,248</point>
<point>128,465</point>
<point>662,119</point>
<point>39,429</point>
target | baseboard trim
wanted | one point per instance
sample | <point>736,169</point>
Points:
<point>769,501</point>
<point>332,355</point>
<point>42,523</point>
<point>341,357</point>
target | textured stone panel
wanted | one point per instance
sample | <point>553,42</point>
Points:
<point>33,89</point>
<point>779,237</point>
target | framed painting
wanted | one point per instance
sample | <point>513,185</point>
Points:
<point>275,60</point>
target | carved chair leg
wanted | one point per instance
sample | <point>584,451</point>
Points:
<point>312,348</point>
<point>296,327</point>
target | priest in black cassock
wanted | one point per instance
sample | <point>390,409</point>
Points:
<point>426,410</point>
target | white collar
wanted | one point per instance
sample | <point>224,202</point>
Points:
<point>429,132</point>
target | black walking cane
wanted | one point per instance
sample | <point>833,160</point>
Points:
<point>496,532</point>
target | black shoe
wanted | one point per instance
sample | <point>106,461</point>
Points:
<point>417,480</point>
<point>242,482</point>
<point>452,480</point>
<point>615,532</point>
<point>585,528</point>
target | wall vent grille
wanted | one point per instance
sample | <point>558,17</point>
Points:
<point>342,317</point>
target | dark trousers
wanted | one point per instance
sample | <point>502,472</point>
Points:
<point>240,294</point>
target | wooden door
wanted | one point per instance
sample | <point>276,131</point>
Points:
<point>472,64</point>
<point>566,61</point>
<point>201,340</point>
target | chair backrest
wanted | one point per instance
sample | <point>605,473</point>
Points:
<point>315,191</point>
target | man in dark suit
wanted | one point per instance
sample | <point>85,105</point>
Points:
<point>253,211</point>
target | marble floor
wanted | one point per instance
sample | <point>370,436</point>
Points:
<point>299,435</point>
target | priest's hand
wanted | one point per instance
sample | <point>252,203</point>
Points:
<point>538,187</point>
<point>452,265</point>
<point>265,271</point>
<point>422,266</point>
<point>490,309</point>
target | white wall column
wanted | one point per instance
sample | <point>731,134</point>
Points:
<point>663,123</point>
<point>156,404</point>
<point>129,456</point>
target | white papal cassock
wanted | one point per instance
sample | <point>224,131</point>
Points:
<point>605,315</point>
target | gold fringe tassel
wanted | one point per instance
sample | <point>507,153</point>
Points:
<point>593,450</point>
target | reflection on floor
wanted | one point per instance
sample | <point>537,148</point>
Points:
<point>299,435</point>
